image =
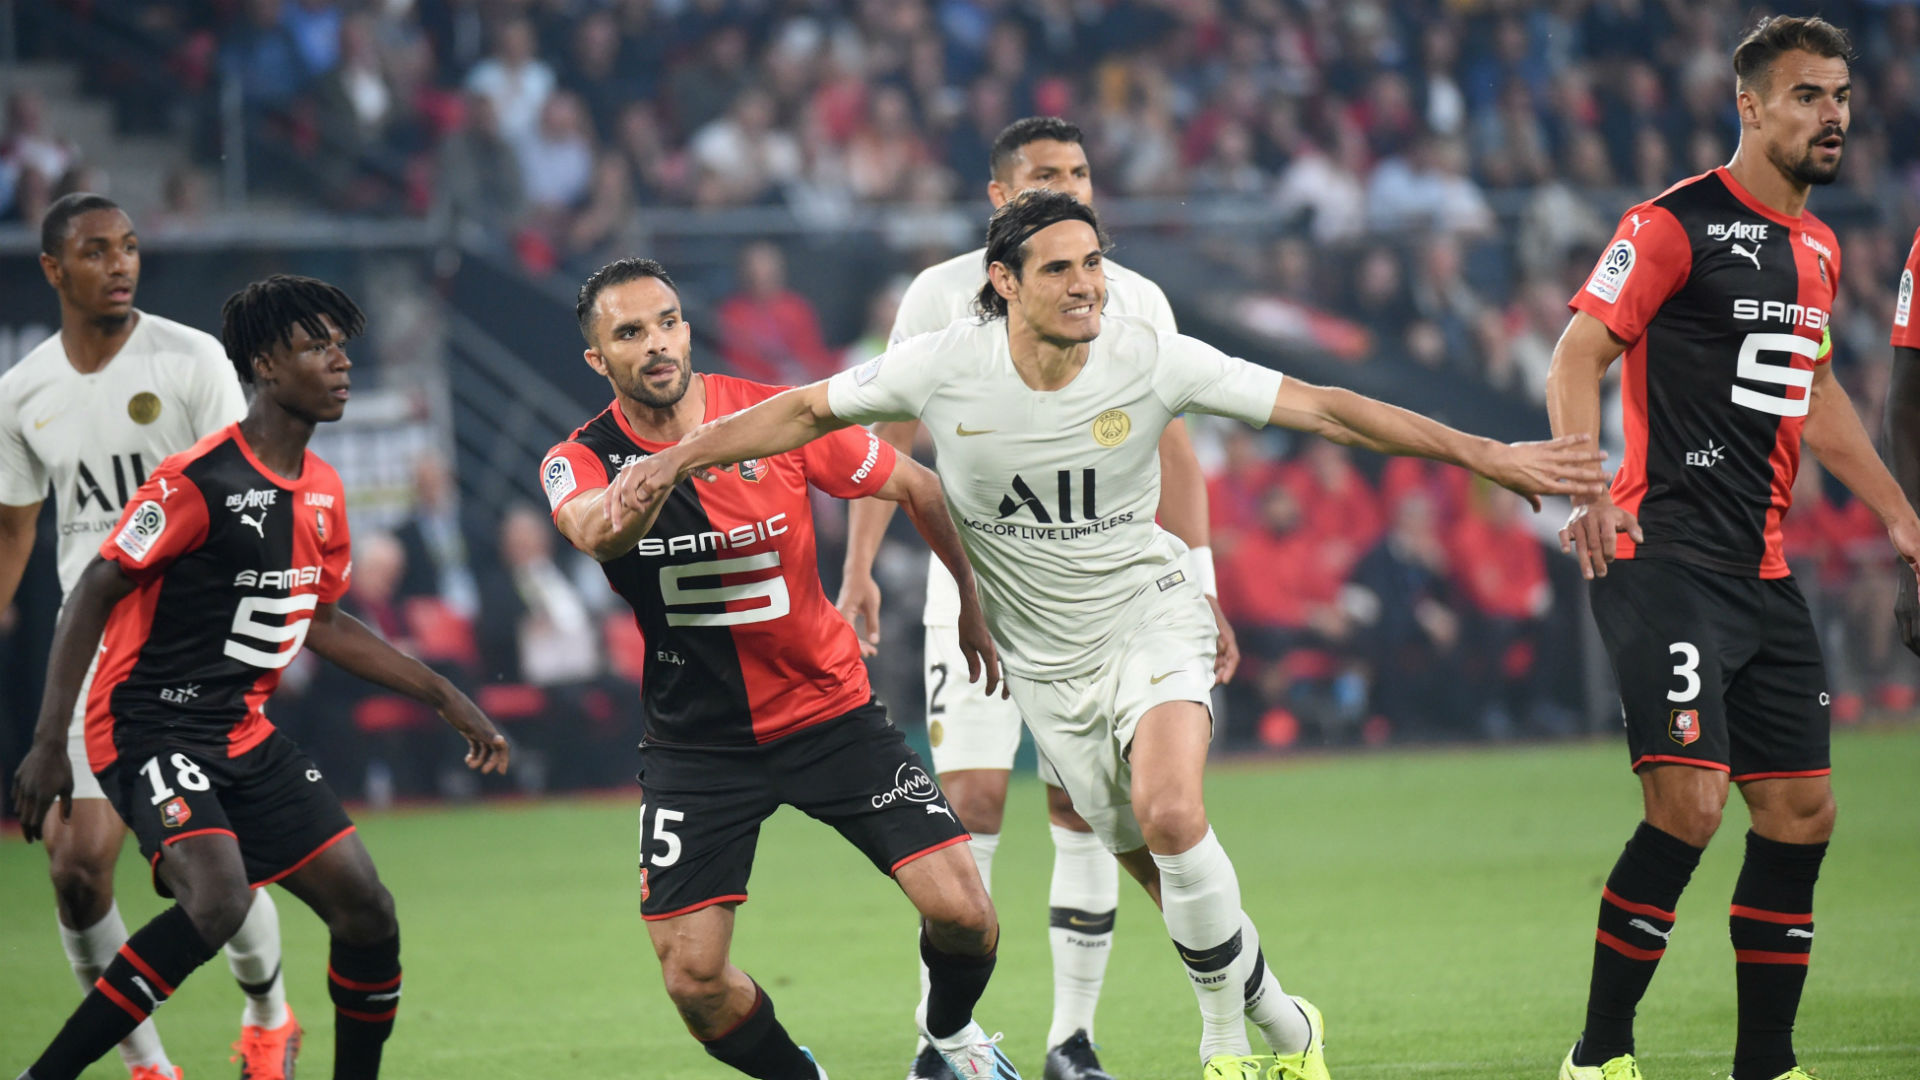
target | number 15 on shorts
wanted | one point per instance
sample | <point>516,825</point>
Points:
<point>668,840</point>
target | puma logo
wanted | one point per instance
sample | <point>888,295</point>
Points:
<point>147,990</point>
<point>1637,223</point>
<point>1794,931</point>
<point>943,810</point>
<point>1745,254</point>
<point>166,489</point>
<point>390,996</point>
<point>259,524</point>
<point>961,430</point>
<point>1642,924</point>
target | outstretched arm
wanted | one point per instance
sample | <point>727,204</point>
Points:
<point>867,521</point>
<point>1903,445</point>
<point>1566,466</point>
<point>915,486</point>
<point>786,420</point>
<point>1581,357</point>
<point>348,643</point>
<point>45,776</point>
<point>1837,437</point>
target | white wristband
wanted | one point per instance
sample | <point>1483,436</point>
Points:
<point>1202,558</point>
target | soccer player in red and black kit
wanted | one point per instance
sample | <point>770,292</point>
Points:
<point>755,694</point>
<point>229,557</point>
<point>1719,292</point>
<point>1903,424</point>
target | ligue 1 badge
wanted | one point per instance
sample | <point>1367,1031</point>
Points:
<point>1684,726</point>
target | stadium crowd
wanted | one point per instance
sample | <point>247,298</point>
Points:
<point>1436,176</point>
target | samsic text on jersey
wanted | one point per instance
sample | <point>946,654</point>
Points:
<point>229,561</point>
<point>1724,304</point>
<point>742,644</point>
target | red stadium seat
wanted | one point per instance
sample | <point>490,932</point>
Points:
<point>509,702</point>
<point>439,633</point>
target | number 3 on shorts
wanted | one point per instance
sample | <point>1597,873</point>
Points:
<point>1688,669</point>
<point>185,773</point>
<point>660,820</point>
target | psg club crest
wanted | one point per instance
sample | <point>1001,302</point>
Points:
<point>1683,726</point>
<point>751,470</point>
<point>175,813</point>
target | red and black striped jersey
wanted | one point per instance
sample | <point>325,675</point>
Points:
<point>743,646</point>
<point>1906,322</point>
<point>1724,304</point>
<point>229,561</point>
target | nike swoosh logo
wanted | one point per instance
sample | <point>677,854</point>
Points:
<point>1157,679</point>
<point>38,424</point>
<point>1078,921</point>
<point>961,430</point>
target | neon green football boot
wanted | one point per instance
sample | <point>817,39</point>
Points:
<point>1308,1064</point>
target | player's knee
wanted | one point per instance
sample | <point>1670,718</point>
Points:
<point>1173,824</point>
<point>980,810</point>
<point>82,887</point>
<point>1693,821</point>
<point>369,921</point>
<point>218,912</point>
<point>697,984</point>
<point>1060,811</point>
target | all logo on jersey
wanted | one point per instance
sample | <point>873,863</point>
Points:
<point>1022,497</point>
<point>1683,726</point>
<point>1110,428</point>
<point>1903,307</point>
<point>1612,273</point>
<point>176,813</point>
<point>142,529</point>
<point>557,477</point>
<point>144,407</point>
<point>128,474</point>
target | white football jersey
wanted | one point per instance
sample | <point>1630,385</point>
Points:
<point>98,437</point>
<point>942,293</point>
<point>1054,492</point>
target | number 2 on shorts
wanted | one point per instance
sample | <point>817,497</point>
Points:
<point>1687,668</point>
<point>185,773</point>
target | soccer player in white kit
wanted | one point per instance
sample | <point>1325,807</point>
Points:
<point>92,411</point>
<point>975,736</point>
<point>1046,415</point>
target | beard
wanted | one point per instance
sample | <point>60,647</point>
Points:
<point>636,387</point>
<point>1805,170</point>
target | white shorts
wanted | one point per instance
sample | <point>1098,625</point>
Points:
<point>85,786</point>
<point>968,729</point>
<point>1084,725</point>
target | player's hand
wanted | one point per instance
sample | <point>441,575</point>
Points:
<point>977,646</point>
<point>639,488</point>
<point>1226,657</point>
<point>487,749</point>
<point>1568,465</point>
<point>1906,604</point>
<point>44,778</point>
<point>1592,531</point>
<point>860,602</point>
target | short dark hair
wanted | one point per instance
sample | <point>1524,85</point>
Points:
<point>1770,37</point>
<point>617,272</point>
<point>263,315</point>
<point>58,224</point>
<point>1014,224</point>
<point>1015,136</point>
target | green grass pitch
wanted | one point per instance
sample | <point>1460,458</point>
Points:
<point>1438,906</point>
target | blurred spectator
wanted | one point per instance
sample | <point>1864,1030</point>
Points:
<point>373,596</point>
<point>437,541</point>
<point>880,314</point>
<point>595,74</point>
<point>556,160</point>
<point>658,171</point>
<point>479,170</point>
<point>1500,569</point>
<point>1230,170</point>
<point>187,198</point>
<point>1339,502</point>
<point>885,153</point>
<point>1415,634</point>
<point>27,145</point>
<point>265,56</point>
<point>742,157</point>
<point>315,26</point>
<point>609,224</point>
<point>534,627</point>
<point>517,80</point>
<point>769,333</point>
<point>703,90</point>
<point>1323,185</point>
<point>1427,188</point>
<point>353,107</point>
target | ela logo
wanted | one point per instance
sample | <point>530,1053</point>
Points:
<point>1683,726</point>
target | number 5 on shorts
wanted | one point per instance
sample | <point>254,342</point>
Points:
<point>185,773</point>
<point>660,820</point>
<point>1688,668</point>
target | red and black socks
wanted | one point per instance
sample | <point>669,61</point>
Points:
<point>1771,923</point>
<point>364,981</point>
<point>1636,916</point>
<point>141,977</point>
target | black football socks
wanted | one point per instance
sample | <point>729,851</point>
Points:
<point>1771,922</point>
<point>364,981</point>
<point>1636,915</point>
<point>149,966</point>
<point>955,984</point>
<point>760,1047</point>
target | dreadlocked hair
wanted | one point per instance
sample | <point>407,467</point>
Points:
<point>261,316</point>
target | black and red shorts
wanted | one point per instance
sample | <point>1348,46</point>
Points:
<point>272,800</point>
<point>1715,670</point>
<point>701,819</point>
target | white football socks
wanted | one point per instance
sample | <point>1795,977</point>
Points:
<point>1081,902</point>
<point>1280,1021</point>
<point>982,847</point>
<point>90,951</point>
<point>1200,900</point>
<point>253,955</point>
